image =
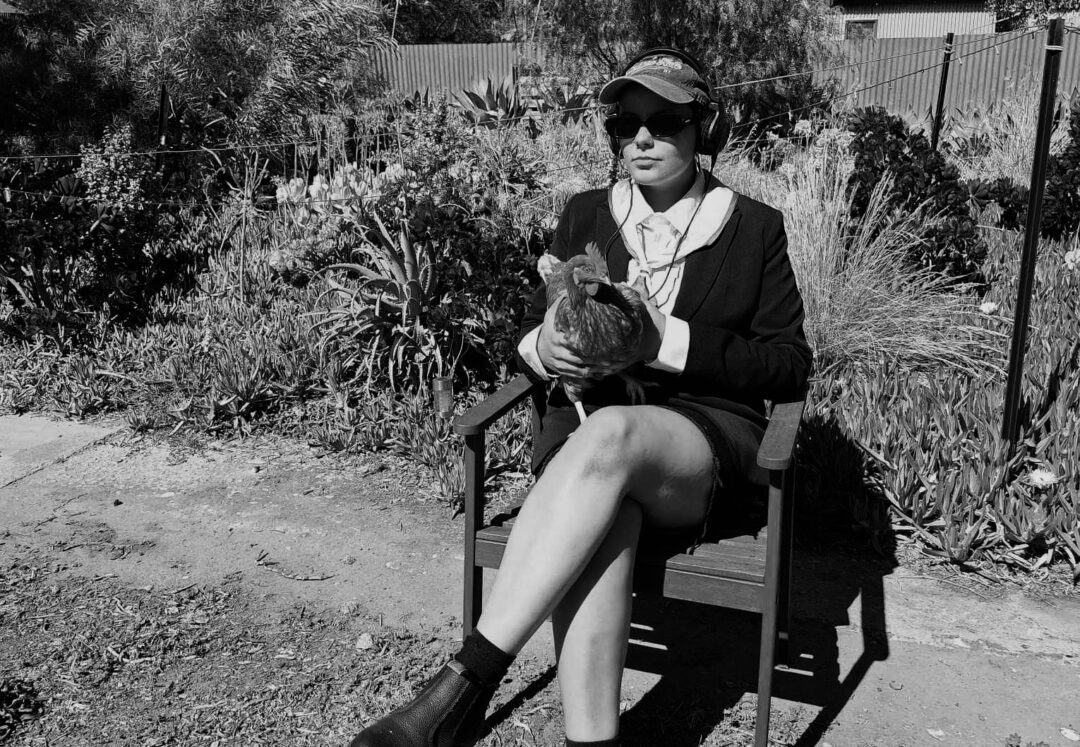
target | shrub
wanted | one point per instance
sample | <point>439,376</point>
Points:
<point>864,305</point>
<point>442,251</point>
<point>70,248</point>
<point>998,141</point>
<point>883,145</point>
<point>111,174</point>
<point>1061,216</point>
<point>54,92</point>
<point>244,69</point>
<point>1061,202</point>
<point>929,443</point>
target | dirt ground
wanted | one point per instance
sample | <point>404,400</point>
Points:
<point>162,592</point>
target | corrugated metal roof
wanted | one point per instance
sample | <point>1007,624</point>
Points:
<point>6,9</point>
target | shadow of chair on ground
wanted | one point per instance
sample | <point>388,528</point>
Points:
<point>707,656</point>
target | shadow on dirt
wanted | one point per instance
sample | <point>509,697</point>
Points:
<point>707,656</point>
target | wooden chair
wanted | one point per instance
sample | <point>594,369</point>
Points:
<point>748,572</point>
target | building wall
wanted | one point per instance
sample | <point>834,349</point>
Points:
<point>904,20</point>
<point>919,19</point>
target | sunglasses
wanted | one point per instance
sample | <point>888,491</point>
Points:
<point>659,125</point>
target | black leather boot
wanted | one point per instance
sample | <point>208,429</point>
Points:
<point>448,712</point>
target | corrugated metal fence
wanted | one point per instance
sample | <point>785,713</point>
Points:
<point>899,74</point>
<point>444,67</point>
<point>903,74</point>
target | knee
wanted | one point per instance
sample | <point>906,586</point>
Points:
<point>606,440</point>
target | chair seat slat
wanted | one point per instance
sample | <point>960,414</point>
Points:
<point>721,560</point>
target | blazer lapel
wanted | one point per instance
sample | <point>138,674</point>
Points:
<point>703,267</point>
<point>611,243</point>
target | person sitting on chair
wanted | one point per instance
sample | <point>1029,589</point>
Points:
<point>725,334</point>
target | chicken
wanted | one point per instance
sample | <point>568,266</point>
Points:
<point>602,321</point>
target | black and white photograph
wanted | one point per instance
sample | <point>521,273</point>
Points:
<point>539,373</point>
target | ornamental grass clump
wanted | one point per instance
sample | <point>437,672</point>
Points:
<point>864,304</point>
<point>998,141</point>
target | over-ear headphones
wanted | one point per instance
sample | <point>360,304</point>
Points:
<point>712,126</point>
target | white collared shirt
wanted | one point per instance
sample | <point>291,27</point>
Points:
<point>658,244</point>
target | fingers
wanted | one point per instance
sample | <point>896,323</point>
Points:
<point>559,358</point>
<point>564,362</point>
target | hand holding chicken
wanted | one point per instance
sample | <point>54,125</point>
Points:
<point>600,327</point>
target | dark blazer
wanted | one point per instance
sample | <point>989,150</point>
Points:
<point>742,304</point>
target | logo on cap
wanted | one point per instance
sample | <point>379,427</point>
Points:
<point>663,63</point>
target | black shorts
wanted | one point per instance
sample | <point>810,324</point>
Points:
<point>733,440</point>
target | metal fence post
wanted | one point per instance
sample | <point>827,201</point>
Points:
<point>163,121</point>
<point>941,90</point>
<point>1011,423</point>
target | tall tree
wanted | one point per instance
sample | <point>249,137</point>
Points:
<point>1017,14</point>
<point>442,21</point>
<point>52,92</point>
<point>251,67</point>
<point>254,65</point>
<point>737,40</point>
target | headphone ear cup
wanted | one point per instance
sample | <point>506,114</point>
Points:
<point>712,132</point>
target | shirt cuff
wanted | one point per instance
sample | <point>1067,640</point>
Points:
<point>674,347</point>
<point>528,352</point>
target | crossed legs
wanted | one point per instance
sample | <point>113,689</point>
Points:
<point>571,552</point>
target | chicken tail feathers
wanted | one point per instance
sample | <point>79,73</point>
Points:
<point>547,265</point>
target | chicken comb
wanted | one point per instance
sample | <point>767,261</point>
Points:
<point>592,251</point>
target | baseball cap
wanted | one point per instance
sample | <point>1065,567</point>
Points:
<point>665,75</point>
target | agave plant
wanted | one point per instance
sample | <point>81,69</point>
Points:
<point>573,104</point>
<point>383,308</point>
<point>492,105</point>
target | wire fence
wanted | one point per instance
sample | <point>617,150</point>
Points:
<point>858,66</point>
<point>855,92</point>
<point>960,53</point>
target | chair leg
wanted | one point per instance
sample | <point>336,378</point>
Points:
<point>474,514</point>
<point>767,656</point>
<point>765,675</point>
<point>783,621</point>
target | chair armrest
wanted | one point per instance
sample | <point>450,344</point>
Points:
<point>476,419</point>
<point>778,444</point>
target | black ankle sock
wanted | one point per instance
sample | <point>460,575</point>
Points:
<point>614,742</point>
<point>483,658</point>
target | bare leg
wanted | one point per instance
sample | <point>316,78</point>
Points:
<point>654,457</point>
<point>572,553</point>
<point>591,626</point>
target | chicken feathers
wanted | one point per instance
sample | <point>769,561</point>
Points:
<point>602,321</point>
